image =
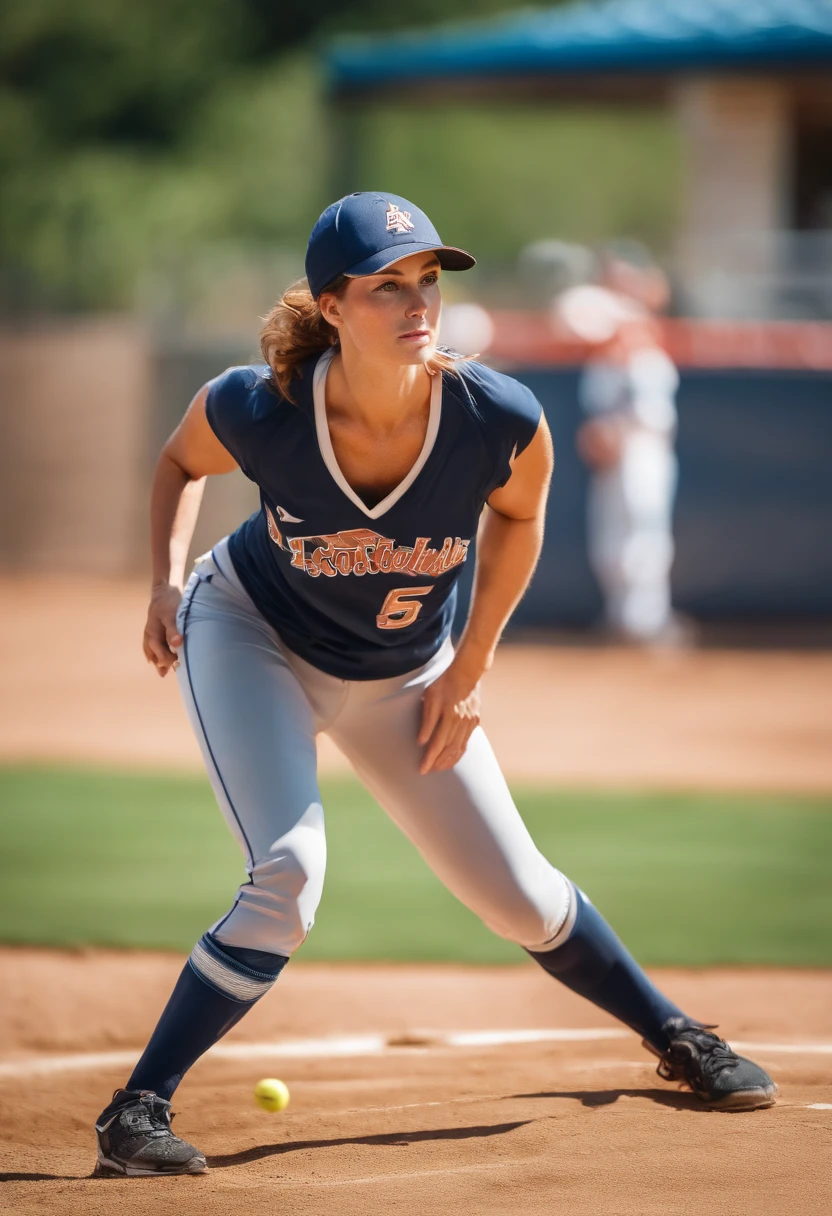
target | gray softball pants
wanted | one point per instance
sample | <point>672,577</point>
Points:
<point>256,708</point>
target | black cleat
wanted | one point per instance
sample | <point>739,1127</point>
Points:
<point>135,1139</point>
<point>711,1069</point>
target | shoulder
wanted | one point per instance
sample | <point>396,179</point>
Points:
<point>241,398</point>
<point>506,408</point>
<point>242,406</point>
<point>241,394</point>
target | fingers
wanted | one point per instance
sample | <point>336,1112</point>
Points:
<point>449,740</point>
<point>438,741</point>
<point>158,650</point>
<point>455,749</point>
<point>167,630</point>
<point>162,637</point>
<point>173,637</point>
<point>431,709</point>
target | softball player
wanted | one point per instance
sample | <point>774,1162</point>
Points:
<point>378,456</point>
<point>628,391</point>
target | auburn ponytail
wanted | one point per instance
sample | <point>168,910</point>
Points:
<point>295,329</point>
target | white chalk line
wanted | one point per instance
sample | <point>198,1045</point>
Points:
<point>325,1048</point>
<point>497,1038</point>
<point>345,1046</point>
<point>350,1045</point>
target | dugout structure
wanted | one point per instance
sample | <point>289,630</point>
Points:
<point>749,84</point>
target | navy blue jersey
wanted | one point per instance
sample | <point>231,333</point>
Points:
<point>363,593</point>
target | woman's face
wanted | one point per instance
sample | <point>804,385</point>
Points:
<point>393,315</point>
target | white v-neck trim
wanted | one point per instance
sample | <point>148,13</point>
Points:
<point>328,453</point>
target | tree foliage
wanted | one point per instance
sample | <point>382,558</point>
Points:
<point>136,136</point>
<point>117,71</point>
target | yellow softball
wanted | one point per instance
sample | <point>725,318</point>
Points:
<point>271,1094</point>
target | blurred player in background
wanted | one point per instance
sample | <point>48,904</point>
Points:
<point>627,391</point>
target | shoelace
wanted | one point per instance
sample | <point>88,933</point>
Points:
<point>152,1121</point>
<point>711,1057</point>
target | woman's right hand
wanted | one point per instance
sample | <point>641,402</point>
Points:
<point>161,636</point>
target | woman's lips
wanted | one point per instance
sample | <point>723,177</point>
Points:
<point>415,335</point>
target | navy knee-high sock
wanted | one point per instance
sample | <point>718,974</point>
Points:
<point>217,987</point>
<point>594,963</point>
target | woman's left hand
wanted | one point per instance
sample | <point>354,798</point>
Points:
<point>450,714</point>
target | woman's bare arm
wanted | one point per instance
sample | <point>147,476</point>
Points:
<point>192,453</point>
<point>508,546</point>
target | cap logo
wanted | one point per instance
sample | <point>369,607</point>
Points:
<point>397,220</point>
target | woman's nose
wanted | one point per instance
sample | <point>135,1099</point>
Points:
<point>417,305</point>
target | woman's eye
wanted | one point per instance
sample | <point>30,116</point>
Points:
<point>391,285</point>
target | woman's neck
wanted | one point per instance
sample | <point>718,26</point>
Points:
<point>380,395</point>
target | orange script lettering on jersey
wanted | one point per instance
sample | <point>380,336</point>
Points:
<point>365,552</point>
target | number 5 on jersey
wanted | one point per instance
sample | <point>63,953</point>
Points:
<point>401,607</point>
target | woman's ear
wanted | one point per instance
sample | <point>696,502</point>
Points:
<point>330,311</point>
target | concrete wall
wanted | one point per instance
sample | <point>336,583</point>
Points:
<point>73,409</point>
<point>84,409</point>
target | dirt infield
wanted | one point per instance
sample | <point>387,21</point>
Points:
<point>414,1121</point>
<point>77,688</point>
<point>397,1105</point>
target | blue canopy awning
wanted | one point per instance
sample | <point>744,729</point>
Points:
<point>613,36</point>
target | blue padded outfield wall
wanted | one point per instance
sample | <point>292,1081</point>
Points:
<point>753,519</point>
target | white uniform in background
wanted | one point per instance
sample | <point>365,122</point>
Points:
<point>631,505</point>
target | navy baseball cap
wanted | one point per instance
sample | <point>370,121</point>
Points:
<point>364,232</point>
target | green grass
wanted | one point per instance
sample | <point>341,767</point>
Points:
<point>145,860</point>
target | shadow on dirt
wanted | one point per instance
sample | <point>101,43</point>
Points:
<point>606,1097</point>
<point>394,1139</point>
<point>13,1177</point>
